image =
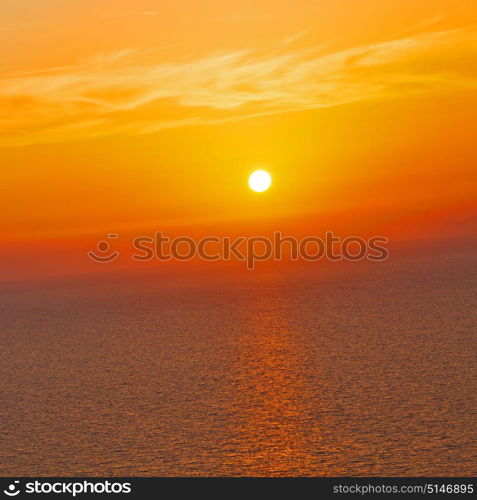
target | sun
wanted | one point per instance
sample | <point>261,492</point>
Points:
<point>259,181</point>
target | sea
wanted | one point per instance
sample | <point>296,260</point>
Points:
<point>339,370</point>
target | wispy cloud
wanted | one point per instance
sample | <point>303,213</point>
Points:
<point>293,38</point>
<point>126,92</point>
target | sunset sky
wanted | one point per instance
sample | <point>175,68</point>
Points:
<point>122,116</point>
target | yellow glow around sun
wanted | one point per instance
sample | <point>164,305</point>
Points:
<point>259,181</point>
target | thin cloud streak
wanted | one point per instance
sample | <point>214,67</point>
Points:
<point>124,92</point>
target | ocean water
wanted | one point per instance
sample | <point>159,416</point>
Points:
<point>355,370</point>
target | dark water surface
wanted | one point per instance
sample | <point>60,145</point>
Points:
<point>345,372</point>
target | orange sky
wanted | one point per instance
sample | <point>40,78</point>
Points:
<point>125,115</point>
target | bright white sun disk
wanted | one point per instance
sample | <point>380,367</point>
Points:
<point>259,181</point>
